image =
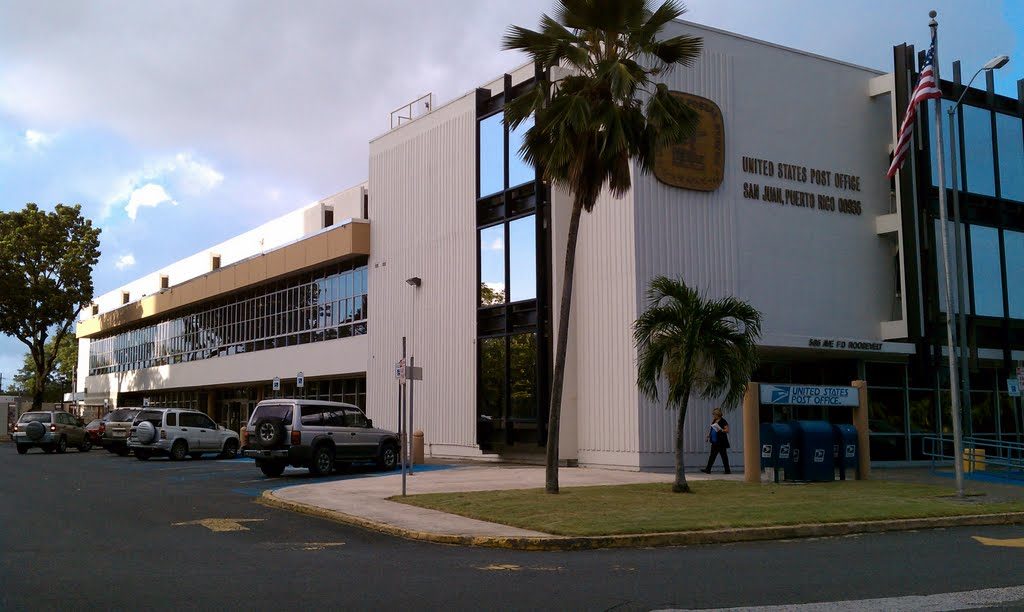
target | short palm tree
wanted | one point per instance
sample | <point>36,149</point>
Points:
<point>605,114</point>
<point>699,346</point>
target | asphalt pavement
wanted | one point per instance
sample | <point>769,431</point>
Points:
<point>97,531</point>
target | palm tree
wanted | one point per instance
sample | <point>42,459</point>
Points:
<point>590,126</point>
<point>699,346</point>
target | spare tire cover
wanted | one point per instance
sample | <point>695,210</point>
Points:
<point>269,432</point>
<point>145,432</point>
<point>35,430</point>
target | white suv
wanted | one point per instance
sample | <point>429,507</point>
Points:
<point>176,433</point>
<point>315,434</point>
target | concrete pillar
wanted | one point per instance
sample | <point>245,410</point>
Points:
<point>211,404</point>
<point>752,433</point>
<point>860,421</point>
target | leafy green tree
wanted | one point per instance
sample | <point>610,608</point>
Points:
<point>699,346</point>
<point>607,113</point>
<point>46,261</point>
<point>59,380</point>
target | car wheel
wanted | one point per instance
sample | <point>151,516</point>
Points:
<point>196,455</point>
<point>230,449</point>
<point>322,461</point>
<point>35,431</point>
<point>142,455</point>
<point>145,432</point>
<point>86,446</point>
<point>271,468</point>
<point>62,444</point>
<point>388,459</point>
<point>178,450</point>
<point>22,449</point>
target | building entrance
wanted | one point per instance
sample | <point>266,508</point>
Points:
<point>233,414</point>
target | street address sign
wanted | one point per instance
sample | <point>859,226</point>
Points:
<point>300,380</point>
<point>1013,387</point>
<point>277,384</point>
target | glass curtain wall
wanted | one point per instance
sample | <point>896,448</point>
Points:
<point>322,305</point>
<point>511,348</point>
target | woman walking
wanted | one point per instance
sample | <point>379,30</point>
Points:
<point>718,436</point>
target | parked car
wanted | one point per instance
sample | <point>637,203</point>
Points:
<point>116,430</point>
<point>314,434</point>
<point>50,430</point>
<point>178,433</point>
<point>94,429</point>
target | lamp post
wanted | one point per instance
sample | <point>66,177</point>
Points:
<point>954,138</point>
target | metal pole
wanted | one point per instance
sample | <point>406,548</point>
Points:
<point>961,276</point>
<point>412,457</point>
<point>402,433</point>
<point>954,396</point>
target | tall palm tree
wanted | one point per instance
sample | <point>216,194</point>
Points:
<point>698,346</point>
<point>607,113</point>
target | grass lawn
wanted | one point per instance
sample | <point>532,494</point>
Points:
<point>653,508</point>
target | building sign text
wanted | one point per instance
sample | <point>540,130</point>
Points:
<point>848,186</point>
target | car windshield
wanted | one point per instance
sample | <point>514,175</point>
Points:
<point>153,416</point>
<point>123,414</point>
<point>39,417</point>
<point>274,411</point>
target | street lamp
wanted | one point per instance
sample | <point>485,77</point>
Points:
<point>955,411</point>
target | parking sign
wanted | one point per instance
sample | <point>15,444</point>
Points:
<point>1012,387</point>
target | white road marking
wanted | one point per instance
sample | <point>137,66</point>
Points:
<point>962,600</point>
<point>221,524</point>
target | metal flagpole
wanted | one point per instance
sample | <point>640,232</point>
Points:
<point>954,394</point>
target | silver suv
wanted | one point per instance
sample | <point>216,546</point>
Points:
<point>315,434</point>
<point>178,433</point>
<point>50,430</point>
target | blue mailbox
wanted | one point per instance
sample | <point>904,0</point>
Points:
<point>815,441</point>
<point>776,447</point>
<point>847,450</point>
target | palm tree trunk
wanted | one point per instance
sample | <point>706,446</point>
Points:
<point>555,409</point>
<point>680,485</point>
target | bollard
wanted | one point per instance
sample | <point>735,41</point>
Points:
<point>417,447</point>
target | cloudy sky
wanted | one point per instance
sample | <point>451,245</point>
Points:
<point>179,124</point>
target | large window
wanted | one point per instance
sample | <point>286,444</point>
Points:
<point>322,305</point>
<point>986,271</point>
<point>1011,156</point>
<point>1014,244</point>
<point>977,151</point>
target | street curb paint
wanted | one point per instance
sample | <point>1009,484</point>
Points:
<point>677,538</point>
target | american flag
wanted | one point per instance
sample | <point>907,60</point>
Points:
<point>927,89</point>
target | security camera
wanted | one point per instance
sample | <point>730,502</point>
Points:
<point>414,281</point>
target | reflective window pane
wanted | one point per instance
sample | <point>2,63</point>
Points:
<point>929,118</point>
<point>492,265</point>
<point>523,375</point>
<point>987,271</point>
<point>980,164</point>
<point>1011,156</point>
<point>492,379</point>
<point>885,411</point>
<point>519,171</point>
<point>492,155</point>
<point>522,238</point>
<point>1013,243</point>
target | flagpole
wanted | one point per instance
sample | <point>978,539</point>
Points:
<point>954,392</point>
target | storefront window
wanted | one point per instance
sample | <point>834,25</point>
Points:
<point>922,411</point>
<point>1011,156</point>
<point>885,411</point>
<point>492,378</point>
<point>983,414</point>
<point>1013,243</point>
<point>492,155</point>
<point>980,165</point>
<point>987,271</point>
<point>522,251</point>
<point>492,265</point>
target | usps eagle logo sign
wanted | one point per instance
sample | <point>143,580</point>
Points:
<point>780,395</point>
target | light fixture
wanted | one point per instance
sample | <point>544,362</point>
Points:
<point>414,281</point>
<point>996,62</point>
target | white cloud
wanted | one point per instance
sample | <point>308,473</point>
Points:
<point>497,245</point>
<point>37,140</point>
<point>181,172</point>
<point>125,261</point>
<point>149,195</point>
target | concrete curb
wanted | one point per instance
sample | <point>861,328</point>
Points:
<point>678,538</point>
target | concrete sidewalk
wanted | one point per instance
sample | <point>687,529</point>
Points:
<point>364,502</point>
